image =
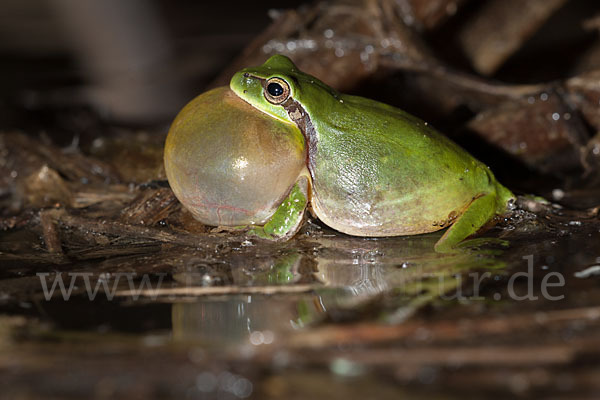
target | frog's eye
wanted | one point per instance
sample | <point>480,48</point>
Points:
<point>276,90</point>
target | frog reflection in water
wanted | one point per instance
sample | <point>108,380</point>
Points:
<point>371,169</point>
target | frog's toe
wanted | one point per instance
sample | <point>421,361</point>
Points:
<point>288,218</point>
<point>481,210</point>
<point>259,232</point>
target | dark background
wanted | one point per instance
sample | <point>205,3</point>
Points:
<point>149,57</point>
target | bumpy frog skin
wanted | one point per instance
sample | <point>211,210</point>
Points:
<point>374,170</point>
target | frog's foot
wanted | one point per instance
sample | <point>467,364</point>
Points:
<point>288,217</point>
<point>478,213</point>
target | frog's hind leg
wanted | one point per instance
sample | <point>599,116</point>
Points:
<point>288,217</point>
<point>476,215</point>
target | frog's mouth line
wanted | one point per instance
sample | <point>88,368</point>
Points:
<point>300,117</point>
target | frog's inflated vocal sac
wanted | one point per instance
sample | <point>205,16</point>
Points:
<point>371,169</point>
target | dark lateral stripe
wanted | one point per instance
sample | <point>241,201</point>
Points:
<point>302,120</point>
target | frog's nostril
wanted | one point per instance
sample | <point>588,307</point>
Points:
<point>246,74</point>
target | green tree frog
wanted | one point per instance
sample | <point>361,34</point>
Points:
<point>373,170</point>
<point>370,169</point>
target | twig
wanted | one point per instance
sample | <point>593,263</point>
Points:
<point>441,331</point>
<point>460,356</point>
<point>217,290</point>
<point>115,228</point>
<point>50,232</point>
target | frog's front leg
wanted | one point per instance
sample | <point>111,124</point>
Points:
<point>481,210</point>
<point>288,217</point>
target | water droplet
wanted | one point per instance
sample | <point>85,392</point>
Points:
<point>558,194</point>
<point>328,33</point>
<point>555,116</point>
<point>257,338</point>
<point>279,47</point>
<point>99,142</point>
<point>291,45</point>
<point>268,337</point>
<point>544,96</point>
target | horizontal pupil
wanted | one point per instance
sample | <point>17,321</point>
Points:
<point>275,89</point>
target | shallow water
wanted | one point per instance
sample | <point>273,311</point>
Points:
<point>325,315</point>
